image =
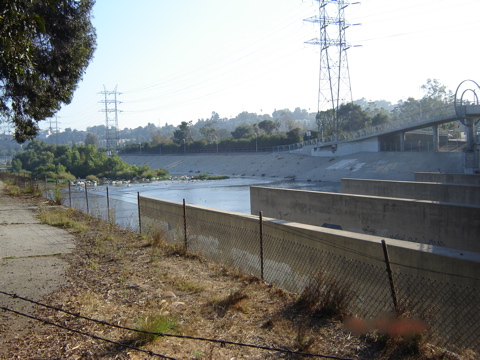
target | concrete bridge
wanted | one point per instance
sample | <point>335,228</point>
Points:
<point>465,108</point>
<point>371,139</point>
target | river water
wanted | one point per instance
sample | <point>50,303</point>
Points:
<point>229,194</point>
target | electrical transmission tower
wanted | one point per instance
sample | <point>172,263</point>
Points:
<point>111,122</point>
<point>334,77</point>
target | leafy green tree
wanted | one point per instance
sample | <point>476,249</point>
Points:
<point>379,118</point>
<point>435,90</point>
<point>16,165</point>
<point>351,117</point>
<point>208,131</point>
<point>295,135</point>
<point>268,126</point>
<point>183,133</point>
<point>45,47</point>
<point>244,131</point>
<point>91,139</point>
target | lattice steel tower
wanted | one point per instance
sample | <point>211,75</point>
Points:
<point>111,122</point>
<point>334,77</point>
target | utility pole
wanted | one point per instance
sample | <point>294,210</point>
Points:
<point>56,129</point>
<point>334,77</point>
<point>111,122</point>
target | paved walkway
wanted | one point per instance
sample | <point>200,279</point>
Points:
<point>30,262</point>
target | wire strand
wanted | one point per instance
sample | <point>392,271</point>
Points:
<point>222,342</point>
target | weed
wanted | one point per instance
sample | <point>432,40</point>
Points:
<point>153,326</point>
<point>205,176</point>
<point>57,195</point>
<point>29,188</point>
<point>198,355</point>
<point>112,218</point>
<point>62,218</point>
<point>188,286</point>
<point>301,341</point>
<point>323,295</point>
<point>92,265</point>
<point>15,190</point>
<point>157,237</point>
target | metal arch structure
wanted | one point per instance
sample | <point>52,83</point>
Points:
<point>468,111</point>
<point>462,90</point>
<point>334,86</point>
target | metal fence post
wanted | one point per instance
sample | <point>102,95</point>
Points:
<point>139,213</point>
<point>260,214</point>
<point>108,205</point>
<point>185,226</point>
<point>390,278</point>
<point>86,198</point>
<point>70,193</point>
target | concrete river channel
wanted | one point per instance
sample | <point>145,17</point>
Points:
<point>229,194</point>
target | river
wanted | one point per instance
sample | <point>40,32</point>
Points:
<point>229,194</point>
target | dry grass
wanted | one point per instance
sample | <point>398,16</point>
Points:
<point>134,280</point>
<point>324,295</point>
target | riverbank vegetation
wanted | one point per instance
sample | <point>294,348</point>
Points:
<point>252,132</point>
<point>63,162</point>
<point>205,176</point>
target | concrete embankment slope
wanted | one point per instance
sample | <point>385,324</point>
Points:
<point>366,165</point>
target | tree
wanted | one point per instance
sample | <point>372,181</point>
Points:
<point>208,131</point>
<point>268,126</point>
<point>45,47</point>
<point>295,135</point>
<point>91,139</point>
<point>244,131</point>
<point>435,90</point>
<point>351,117</point>
<point>16,165</point>
<point>183,133</point>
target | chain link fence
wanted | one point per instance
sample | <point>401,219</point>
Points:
<point>289,262</point>
<point>289,258</point>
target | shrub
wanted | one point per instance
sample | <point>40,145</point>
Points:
<point>57,195</point>
<point>325,296</point>
<point>153,326</point>
<point>91,178</point>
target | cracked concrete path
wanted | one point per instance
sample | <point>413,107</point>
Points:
<point>30,260</point>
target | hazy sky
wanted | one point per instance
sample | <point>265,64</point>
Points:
<point>179,60</point>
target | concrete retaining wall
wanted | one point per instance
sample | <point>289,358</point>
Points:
<point>290,255</point>
<point>412,258</point>
<point>466,179</point>
<point>447,225</point>
<point>451,193</point>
